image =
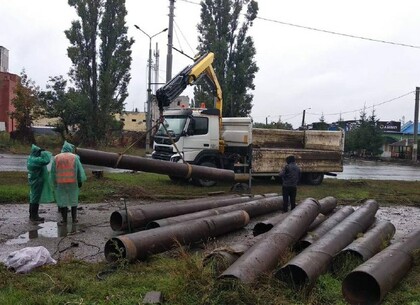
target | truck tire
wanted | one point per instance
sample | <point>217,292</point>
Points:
<point>314,178</point>
<point>205,182</point>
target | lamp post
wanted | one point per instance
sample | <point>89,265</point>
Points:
<point>149,84</point>
<point>303,118</point>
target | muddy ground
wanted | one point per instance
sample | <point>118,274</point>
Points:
<point>86,239</point>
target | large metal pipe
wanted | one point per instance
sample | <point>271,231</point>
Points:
<point>265,254</point>
<point>371,281</point>
<point>182,170</point>
<point>253,208</point>
<point>140,216</point>
<point>327,204</point>
<point>222,257</point>
<point>314,260</point>
<point>367,245</point>
<point>323,228</point>
<point>141,244</point>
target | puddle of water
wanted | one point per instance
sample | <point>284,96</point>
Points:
<point>49,229</point>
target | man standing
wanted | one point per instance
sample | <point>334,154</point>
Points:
<point>67,175</point>
<point>38,179</point>
<point>290,175</point>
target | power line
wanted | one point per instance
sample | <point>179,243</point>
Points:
<point>372,106</point>
<point>339,34</point>
<point>290,116</point>
<point>327,31</point>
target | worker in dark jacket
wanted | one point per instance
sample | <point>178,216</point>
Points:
<point>290,175</point>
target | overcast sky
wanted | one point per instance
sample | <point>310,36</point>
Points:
<point>299,68</point>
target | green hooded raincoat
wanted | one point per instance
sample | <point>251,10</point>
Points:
<point>38,176</point>
<point>67,194</point>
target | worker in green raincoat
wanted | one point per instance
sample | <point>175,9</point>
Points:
<point>67,175</point>
<point>38,178</point>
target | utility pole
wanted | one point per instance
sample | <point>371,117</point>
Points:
<point>156,81</point>
<point>156,66</point>
<point>170,35</point>
<point>416,124</point>
<point>303,118</point>
<point>149,88</point>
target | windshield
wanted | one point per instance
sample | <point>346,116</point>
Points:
<point>174,125</point>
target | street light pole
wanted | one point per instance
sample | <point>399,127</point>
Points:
<point>149,87</point>
<point>303,117</point>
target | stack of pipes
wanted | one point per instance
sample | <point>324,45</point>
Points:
<point>321,232</point>
<point>179,223</point>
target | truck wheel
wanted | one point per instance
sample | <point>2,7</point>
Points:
<point>314,178</point>
<point>205,182</point>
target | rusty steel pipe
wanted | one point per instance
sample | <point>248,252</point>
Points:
<point>265,254</point>
<point>182,170</point>
<point>253,208</point>
<point>222,257</point>
<point>141,244</point>
<point>371,281</point>
<point>140,216</point>
<point>318,220</point>
<point>370,243</point>
<point>325,227</point>
<point>327,204</point>
<point>314,260</point>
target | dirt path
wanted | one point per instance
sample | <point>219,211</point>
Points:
<point>86,239</point>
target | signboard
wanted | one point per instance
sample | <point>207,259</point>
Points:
<point>389,126</point>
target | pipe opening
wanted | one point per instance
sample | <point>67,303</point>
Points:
<point>219,261</point>
<point>346,261</point>
<point>261,228</point>
<point>301,245</point>
<point>152,225</point>
<point>116,221</point>
<point>361,288</point>
<point>115,250</point>
<point>293,275</point>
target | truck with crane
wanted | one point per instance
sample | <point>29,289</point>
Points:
<point>202,136</point>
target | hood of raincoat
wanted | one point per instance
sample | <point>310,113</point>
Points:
<point>67,147</point>
<point>35,150</point>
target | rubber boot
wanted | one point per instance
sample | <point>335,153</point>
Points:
<point>74,214</point>
<point>30,211</point>
<point>35,215</point>
<point>64,215</point>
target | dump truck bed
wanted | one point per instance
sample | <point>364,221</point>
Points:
<point>315,150</point>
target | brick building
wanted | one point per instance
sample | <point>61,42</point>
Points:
<point>8,83</point>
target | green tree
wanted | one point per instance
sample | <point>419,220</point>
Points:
<point>27,107</point>
<point>274,125</point>
<point>65,104</point>
<point>365,140</point>
<point>321,125</point>
<point>101,77</point>
<point>222,32</point>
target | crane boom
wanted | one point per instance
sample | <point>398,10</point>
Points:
<point>202,67</point>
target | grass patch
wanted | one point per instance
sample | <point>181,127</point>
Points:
<point>180,277</point>
<point>154,187</point>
